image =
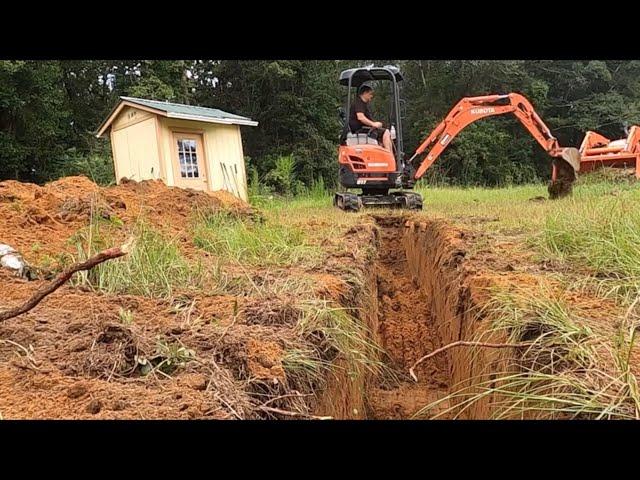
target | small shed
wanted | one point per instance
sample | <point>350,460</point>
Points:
<point>183,145</point>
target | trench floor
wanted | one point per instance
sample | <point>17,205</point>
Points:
<point>407,332</point>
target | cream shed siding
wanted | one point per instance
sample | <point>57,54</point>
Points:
<point>134,150</point>
<point>222,150</point>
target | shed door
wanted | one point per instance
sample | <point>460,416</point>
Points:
<point>189,165</point>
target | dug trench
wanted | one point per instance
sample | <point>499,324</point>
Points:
<point>406,329</point>
<point>424,294</point>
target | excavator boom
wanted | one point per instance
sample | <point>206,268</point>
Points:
<point>470,109</point>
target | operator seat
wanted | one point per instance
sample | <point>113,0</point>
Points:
<point>360,139</point>
<point>349,138</point>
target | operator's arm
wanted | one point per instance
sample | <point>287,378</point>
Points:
<point>362,118</point>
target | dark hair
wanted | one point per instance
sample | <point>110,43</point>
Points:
<point>364,89</point>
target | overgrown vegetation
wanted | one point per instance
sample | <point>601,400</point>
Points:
<point>251,242</point>
<point>282,180</point>
<point>602,236</point>
<point>338,344</point>
<point>571,367</point>
<point>155,267</point>
<point>97,167</point>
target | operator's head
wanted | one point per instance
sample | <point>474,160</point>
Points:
<point>366,93</point>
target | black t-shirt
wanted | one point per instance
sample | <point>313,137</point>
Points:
<point>358,106</point>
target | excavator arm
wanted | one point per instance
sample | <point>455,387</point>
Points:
<point>470,109</point>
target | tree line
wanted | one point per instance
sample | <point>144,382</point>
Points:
<point>50,110</point>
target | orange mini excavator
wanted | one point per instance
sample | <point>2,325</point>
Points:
<point>366,165</point>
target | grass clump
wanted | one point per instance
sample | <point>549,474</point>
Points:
<point>567,370</point>
<point>338,335</point>
<point>155,267</point>
<point>601,236</point>
<point>246,241</point>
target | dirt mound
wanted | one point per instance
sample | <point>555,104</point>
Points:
<point>39,221</point>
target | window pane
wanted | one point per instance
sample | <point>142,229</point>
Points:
<point>188,158</point>
<point>194,159</point>
<point>183,165</point>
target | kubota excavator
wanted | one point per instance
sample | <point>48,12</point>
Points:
<point>366,165</point>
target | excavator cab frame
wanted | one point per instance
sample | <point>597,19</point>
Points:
<point>353,78</point>
<point>366,165</point>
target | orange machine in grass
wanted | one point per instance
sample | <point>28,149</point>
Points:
<point>598,151</point>
<point>368,166</point>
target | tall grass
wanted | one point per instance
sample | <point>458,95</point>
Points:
<point>155,266</point>
<point>568,370</point>
<point>601,236</point>
<point>337,335</point>
<point>247,241</point>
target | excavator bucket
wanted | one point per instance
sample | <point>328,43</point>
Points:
<point>572,157</point>
<point>565,166</point>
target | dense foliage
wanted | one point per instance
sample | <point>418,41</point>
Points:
<point>49,111</point>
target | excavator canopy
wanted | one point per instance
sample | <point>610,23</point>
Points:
<point>361,75</point>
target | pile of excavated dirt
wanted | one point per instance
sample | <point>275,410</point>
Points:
<point>40,220</point>
<point>84,354</point>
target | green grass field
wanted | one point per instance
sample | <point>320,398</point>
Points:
<point>597,228</point>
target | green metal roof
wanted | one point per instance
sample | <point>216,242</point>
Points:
<point>189,110</point>
<point>177,110</point>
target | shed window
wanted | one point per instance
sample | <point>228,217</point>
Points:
<point>188,158</point>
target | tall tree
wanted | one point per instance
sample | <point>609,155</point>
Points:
<point>34,118</point>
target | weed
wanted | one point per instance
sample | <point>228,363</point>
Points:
<point>246,241</point>
<point>125,316</point>
<point>568,371</point>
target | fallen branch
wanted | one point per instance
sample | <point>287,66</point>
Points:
<point>288,395</point>
<point>463,343</point>
<point>63,277</point>
<point>292,414</point>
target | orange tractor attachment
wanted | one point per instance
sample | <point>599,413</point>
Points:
<point>598,151</point>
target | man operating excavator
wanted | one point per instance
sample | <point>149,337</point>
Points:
<point>360,118</point>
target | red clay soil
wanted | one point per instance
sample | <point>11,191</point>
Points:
<point>39,221</point>
<point>74,356</point>
<point>407,330</point>
<point>83,354</point>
